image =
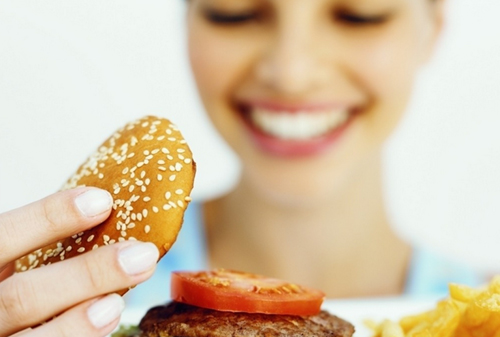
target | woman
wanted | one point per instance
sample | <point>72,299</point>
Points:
<point>305,92</point>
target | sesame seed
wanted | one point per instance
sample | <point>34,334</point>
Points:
<point>187,198</point>
<point>146,199</point>
<point>143,174</point>
<point>132,238</point>
<point>171,203</point>
<point>131,188</point>
<point>179,191</point>
<point>90,238</point>
<point>172,177</point>
<point>166,207</point>
<point>69,248</point>
<point>81,250</point>
<point>78,241</point>
<point>169,157</point>
<point>95,246</point>
<point>101,175</point>
<point>155,209</point>
<point>144,213</point>
<point>168,195</point>
<point>143,189</point>
<point>105,237</point>
<point>187,161</point>
<point>161,162</point>
<point>165,150</point>
<point>147,228</point>
<point>125,170</point>
<point>181,150</point>
<point>178,166</point>
<point>146,152</point>
<point>162,168</point>
<point>180,203</point>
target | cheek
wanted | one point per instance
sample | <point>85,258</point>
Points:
<point>387,75</point>
<point>206,63</point>
<point>220,59</point>
<point>215,71</point>
<point>389,70</point>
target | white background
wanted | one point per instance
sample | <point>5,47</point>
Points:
<point>71,72</point>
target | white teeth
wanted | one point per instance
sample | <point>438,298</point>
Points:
<point>299,125</point>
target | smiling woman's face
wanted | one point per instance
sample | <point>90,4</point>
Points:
<point>303,90</point>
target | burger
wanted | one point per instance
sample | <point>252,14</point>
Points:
<point>222,302</point>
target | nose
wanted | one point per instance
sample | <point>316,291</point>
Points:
<point>291,63</point>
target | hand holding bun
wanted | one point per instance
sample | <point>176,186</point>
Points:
<point>148,168</point>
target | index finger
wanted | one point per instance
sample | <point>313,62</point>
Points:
<point>55,217</point>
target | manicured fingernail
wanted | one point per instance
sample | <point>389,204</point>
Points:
<point>138,257</point>
<point>105,310</point>
<point>94,202</point>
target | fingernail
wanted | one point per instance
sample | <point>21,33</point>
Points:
<point>138,257</point>
<point>94,202</point>
<point>106,310</point>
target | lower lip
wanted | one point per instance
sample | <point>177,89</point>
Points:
<point>297,148</point>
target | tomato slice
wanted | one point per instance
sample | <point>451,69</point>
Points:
<point>227,290</point>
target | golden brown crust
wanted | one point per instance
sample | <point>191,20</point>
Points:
<point>148,168</point>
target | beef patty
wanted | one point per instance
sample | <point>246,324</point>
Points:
<point>178,319</point>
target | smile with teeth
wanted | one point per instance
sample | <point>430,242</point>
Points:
<point>299,125</point>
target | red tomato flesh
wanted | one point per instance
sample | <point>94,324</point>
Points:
<point>226,290</point>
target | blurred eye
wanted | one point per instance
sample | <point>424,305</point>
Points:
<point>222,18</point>
<point>361,20</point>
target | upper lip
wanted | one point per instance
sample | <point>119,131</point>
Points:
<point>309,106</point>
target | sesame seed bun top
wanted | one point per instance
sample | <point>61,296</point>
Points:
<point>148,168</point>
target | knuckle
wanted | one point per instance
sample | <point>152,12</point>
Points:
<point>51,214</point>
<point>95,270</point>
<point>16,300</point>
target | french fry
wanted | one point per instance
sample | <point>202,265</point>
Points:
<point>468,312</point>
<point>462,293</point>
<point>475,315</point>
<point>409,322</point>
<point>494,285</point>
<point>391,329</point>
